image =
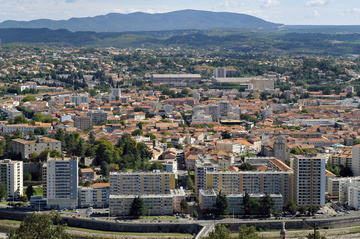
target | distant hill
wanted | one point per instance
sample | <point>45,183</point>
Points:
<point>116,22</point>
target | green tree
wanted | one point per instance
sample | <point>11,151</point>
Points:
<point>137,132</point>
<point>190,184</point>
<point>3,192</point>
<point>31,135</point>
<point>137,208</point>
<point>267,205</point>
<point>302,209</point>
<point>80,149</point>
<point>151,135</point>
<point>184,205</point>
<point>104,168</point>
<point>44,154</point>
<point>255,207</point>
<point>221,232</point>
<point>40,131</point>
<point>38,225</point>
<point>291,207</point>
<point>247,167</point>
<point>18,134</point>
<point>226,135</point>
<point>317,236</point>
<point>221,204</point>
<point>59,135</point>
<point>29,191</point>
<point>156,166</point>
<point>92,137</point>
<point>327,91</point>
<point>248,232</point>
<point>170,145</point>
<point>346,172</point>
<point>246,203</point>
<point>20,119</point>
<point>27,177</point>
<point>195,214</point>
<point>313,209</point>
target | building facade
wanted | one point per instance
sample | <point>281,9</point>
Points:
<point>11,172</point>
<point>26,148</point>
<point>97,195</point>
<point>98,116</point>
<point>83,122</point>
<point>62,182</point>
<point>309,180</point>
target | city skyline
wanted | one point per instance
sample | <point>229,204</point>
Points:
<point>304,12</point>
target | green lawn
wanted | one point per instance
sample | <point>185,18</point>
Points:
<point>4,202</point>
<point>38,191</point>
<point>10,221</point>
<point>131,233</point>
<point>159,217</point>
<point>183,235</point>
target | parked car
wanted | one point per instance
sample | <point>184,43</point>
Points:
<point>74,216</point>
<point>93,218</point>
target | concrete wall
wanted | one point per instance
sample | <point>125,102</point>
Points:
<point>34,169</point>
<point>112,225</point>
<point>192,228</point>
<point>298,223</point>
<point>133,227</point>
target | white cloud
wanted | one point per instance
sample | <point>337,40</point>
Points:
<point>269,3</point>
<point>314,3</point>
<point>312,14</point>
<point>227,5</point>
<point>355,12</point>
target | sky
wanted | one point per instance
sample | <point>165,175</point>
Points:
<point>289,12</point>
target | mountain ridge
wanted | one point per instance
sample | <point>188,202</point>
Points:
<point>140,21</point>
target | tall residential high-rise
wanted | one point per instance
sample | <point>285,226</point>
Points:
<point>11,172</point>
<point>201,168</point>
<point>61,182</point>
<point>355,164</point>
<point>309,180</point>
<point>224,107</point>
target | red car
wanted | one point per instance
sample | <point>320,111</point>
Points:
<point>74,216</point>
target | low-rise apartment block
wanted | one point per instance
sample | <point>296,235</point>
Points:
<point>97,195</point>
<point>26,147</point>
<point>156,204</point>
<point>207,201</point>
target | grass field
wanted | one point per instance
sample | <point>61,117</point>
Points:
<point>38,191</point>
<point>130,233</point>
<point>76,229</point>
<point>158,217</point>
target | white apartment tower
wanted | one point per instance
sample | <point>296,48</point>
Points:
<point>62,182</point>
<point>309,180</point>
<point>12,174</point>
